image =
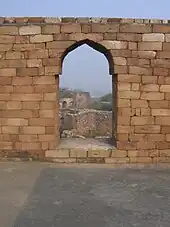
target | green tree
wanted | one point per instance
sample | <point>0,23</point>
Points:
<point>106,98</point>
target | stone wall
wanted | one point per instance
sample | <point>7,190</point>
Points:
<point>31,54</point>
<point>88,123</point>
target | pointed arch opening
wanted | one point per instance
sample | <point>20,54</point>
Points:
<point>81,108</point>
<point>94,45</point>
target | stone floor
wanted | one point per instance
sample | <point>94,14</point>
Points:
<point>87,143</point>
<point>50,195</point>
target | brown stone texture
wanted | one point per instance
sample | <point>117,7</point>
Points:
<point>32,51</point>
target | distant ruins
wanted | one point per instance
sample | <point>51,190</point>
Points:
<point>79,120</point>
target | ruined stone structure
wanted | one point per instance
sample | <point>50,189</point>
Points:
<point>32,51</point>
<point>87,123</point>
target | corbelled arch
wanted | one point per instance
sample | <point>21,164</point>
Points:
<point>106,52</point>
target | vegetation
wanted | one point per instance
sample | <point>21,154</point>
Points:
<point>103,103</point>
<point>106,98</point>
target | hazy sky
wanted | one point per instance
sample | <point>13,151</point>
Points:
<point>85,68</point>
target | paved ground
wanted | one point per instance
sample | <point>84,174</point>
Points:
<point>49,195</point>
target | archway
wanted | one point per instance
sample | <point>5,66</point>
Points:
<point>100,48</point>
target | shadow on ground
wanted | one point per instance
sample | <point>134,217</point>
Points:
<point>97,197</point>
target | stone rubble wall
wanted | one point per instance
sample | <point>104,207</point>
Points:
<point>88,123</point>
<point>31,55</point>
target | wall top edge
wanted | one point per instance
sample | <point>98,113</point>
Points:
<point>55,20</point>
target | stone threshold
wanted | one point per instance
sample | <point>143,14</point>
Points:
<point>100,156</point>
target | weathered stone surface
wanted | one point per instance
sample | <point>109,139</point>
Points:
<point>138,52</point>
<point>30,30</point>
<point>41,38</point>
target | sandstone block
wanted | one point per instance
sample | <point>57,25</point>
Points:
<point>132,45</point>
<point>138,153</point>
<point>44,80</point>
<point>160,112</point>
<point>7,39</point>
<point>76,153</point>
<point>136,28</point>
<point>33,130</point>
<point>118,154</point>
<point>23,89</point>
<point>62,153</point>
<point>96,37</point>
<point>50,96</point>
<point>145,111</point>
<point>153,37</point>
<point>8,72</point>
<point>165,88</point>
<point>27,146</point>
<point>109,36</point>
<point>129,78</point>
<point>114,45</point>
<point>10,129</point>
<point>139,103</point>
<point>119,61</point>
<point>159,104</point>
<point>163,54</point>
<point>41,122</point>
<point>124,129</point>
<point>149,79</point>
<point>52,70</point>
<point>14,55</point>
<point>120,69</point>
<point>162,120</point>
<point>144,54</point>
<point>122,120</point>
<point>43,88</point>
<point>22,80</point>
<point>30,30</point>
<point>129,94</point>
<point>59,44</point>
<point>34,54</point>
<point>27,97</point>
<point>15,122</point>
<point>124,160</point>
<point>34,63</point>
<point>124,86</point>
<point>142,120</point>
<point>140,70</point>
<point>70,28</point>
<point>160,28</point>
<point>142,160</point>
<point>51,29</point>
<point>147,129</point>
<point>135,87</point>
<point>129,37</point>
<point>149,87</point>
<point>123,102</point>
<point>6,47</point>
<point>99,153</point>
<point>47,113</point>
<point>8,30</point>
<point>41,38</point>
<point>5,80</point>
<point>28,138</point>
<point>122,137</point>
<point>105,28</point>
<point>13,105</point>
<point>31,105</point>
<point>152,96</point>
<point>151,46</point>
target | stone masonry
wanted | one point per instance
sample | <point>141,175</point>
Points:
<point>87,123</point>
<point>31,54</point>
